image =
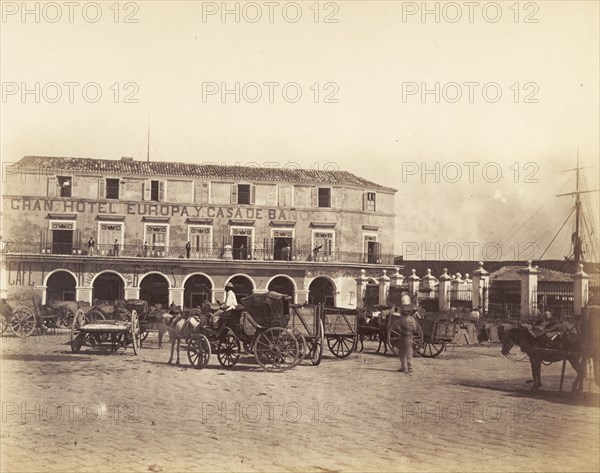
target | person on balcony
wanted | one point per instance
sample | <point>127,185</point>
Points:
<point>188,249</point>
<point>116,248</point>
<point>145,249</point>
<point>91,246</point>
<point>285,252</point>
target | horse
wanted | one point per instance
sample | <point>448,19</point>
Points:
<point>183,329</point>
<point>566,343</point>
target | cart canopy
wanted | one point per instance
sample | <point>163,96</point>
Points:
<point>269,309</point>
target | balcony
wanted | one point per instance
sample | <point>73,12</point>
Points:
<point>299,254</point>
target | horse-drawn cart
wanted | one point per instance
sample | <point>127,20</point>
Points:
<point>433,332</point>
<point>24,317</point>
<point>307,324</point>
<point>341,330</point>
<point>96,328</point>
<point>260,324</point>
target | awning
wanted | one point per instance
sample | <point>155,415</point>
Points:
<point>156,219</point>
<point>322,224</point>
<point>242,223</point>
<point>370,227</point>
<point>283,223</point>
<point>199,221</point>
<point>62,216</point>
<point>110,218</point>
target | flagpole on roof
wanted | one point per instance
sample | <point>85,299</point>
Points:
<point>148,147</point>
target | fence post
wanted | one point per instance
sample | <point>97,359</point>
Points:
<point>444,291</point>
<point>361,285</point>
<point>455,286</point>
<point>581,282</point>
<point>397,279</point>
<point>384,288</point>
<point>413,284</point>
<point>480,286</point>
<point>529,282</point>
<point>429,281</point>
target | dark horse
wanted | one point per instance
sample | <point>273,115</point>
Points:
<point>547,347</point>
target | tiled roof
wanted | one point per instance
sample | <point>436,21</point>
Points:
<point>205,171</point>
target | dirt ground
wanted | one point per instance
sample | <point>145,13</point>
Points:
<point>469,409</point>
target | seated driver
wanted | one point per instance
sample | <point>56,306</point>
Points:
<point>230,303</point>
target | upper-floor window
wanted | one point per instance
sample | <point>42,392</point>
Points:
<point>321,197</point>
<point>112,188</point>
<point>285,196</point>
<point>369,199</point>
<point>201,192</point>
<point>154,190</point>
<point>242,194</point>
<point>65,186</point>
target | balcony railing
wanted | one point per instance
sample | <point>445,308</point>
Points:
<point>296,255</point>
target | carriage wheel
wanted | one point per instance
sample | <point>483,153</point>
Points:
<point>316,353</point>
<point>276,349</point>
<point>3,324</point>
<point>23,322</point>
<point>77,336</point>
<point>65,317</point>
<point>198,351</point>
<point>342,346</point>
<point>228,349</point>
<point>303,345</point>
<point>431,349</point>
<point>136,341</point>
<point>394,336</point>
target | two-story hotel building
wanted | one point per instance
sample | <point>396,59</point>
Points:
<point>95,229</point>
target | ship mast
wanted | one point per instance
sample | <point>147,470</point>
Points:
<point>576,237</point>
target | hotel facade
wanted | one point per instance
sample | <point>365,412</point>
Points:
<point>94,229</point>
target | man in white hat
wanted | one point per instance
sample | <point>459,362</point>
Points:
<point>230,303</point>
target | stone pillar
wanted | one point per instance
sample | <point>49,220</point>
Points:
<point>384,288</point>
<point>396,279</point>
<point>44,293</point>
<point>301,296</point>
<point>361,285</point>
<point>455,288</point>
<point>529,282</point>
<point>83,294</point>
<point>176,296</point>
<point>413,284</point>
<point>3,277</point>
<point>428,282</point>
<point>444,291</point>
<point>218,295</point>
<point>480,286</point>
<point>132,293</point>
<point>581,282</point>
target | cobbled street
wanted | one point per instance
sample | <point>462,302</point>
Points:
<point>469,409</point>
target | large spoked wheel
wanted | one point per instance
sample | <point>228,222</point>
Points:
<point>394,337</point>
<point>276,349</point>
<point>136,336</point>
<point>23,322</point>
<point>342,346</point>
<point>77,336</point>
<point>198,351</point>
<point>303,345</point>
<point>430,349</point>
<point>65,317</point>
<point>3,323</point>
<point>316,352</point>
<point>229,349</point>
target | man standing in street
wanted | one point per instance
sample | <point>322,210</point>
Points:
<point>408,327</point>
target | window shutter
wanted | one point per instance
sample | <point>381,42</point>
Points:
<point>365,202</point>
<point>315,196</point>
<point>234,194</point>
<point>197,192</point>
<point>365,250</point>
<point>204,193</point>
<point>101,188</point>
<point>331,197</point>
<point>74,181</point>
<point>52,187</point>
<point>161,191</point>
<point>377,252</point>
<point>252,193</point>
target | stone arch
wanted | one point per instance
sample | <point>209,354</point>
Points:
<point>108,285</point>
<point>61,285</point>
<point>283,284</point>
<point>197,288</point>
<point>322,290</point>
<point>154,288</point>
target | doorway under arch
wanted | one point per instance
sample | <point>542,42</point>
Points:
<point>321,291</point>
<point>196,291</point>
<point>61,286</point>
<point>108,287</point>
<point>154,289</point>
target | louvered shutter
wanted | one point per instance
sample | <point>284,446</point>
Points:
<point>161,191</point>
<point>331,198</point>
<point>365,204</point>
<point>52,187</point>
<point>252,194</point>
<point>378,252</point>
<point>365,250</point>
<point>101,188</point>
<point>75,185</point>
<point>146,189</point>
<point>315,197</point>
<point>234,199</point>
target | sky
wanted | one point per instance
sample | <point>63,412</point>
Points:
<point>471,111</point>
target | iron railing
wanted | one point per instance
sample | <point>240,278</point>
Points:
<point>297,255</point>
